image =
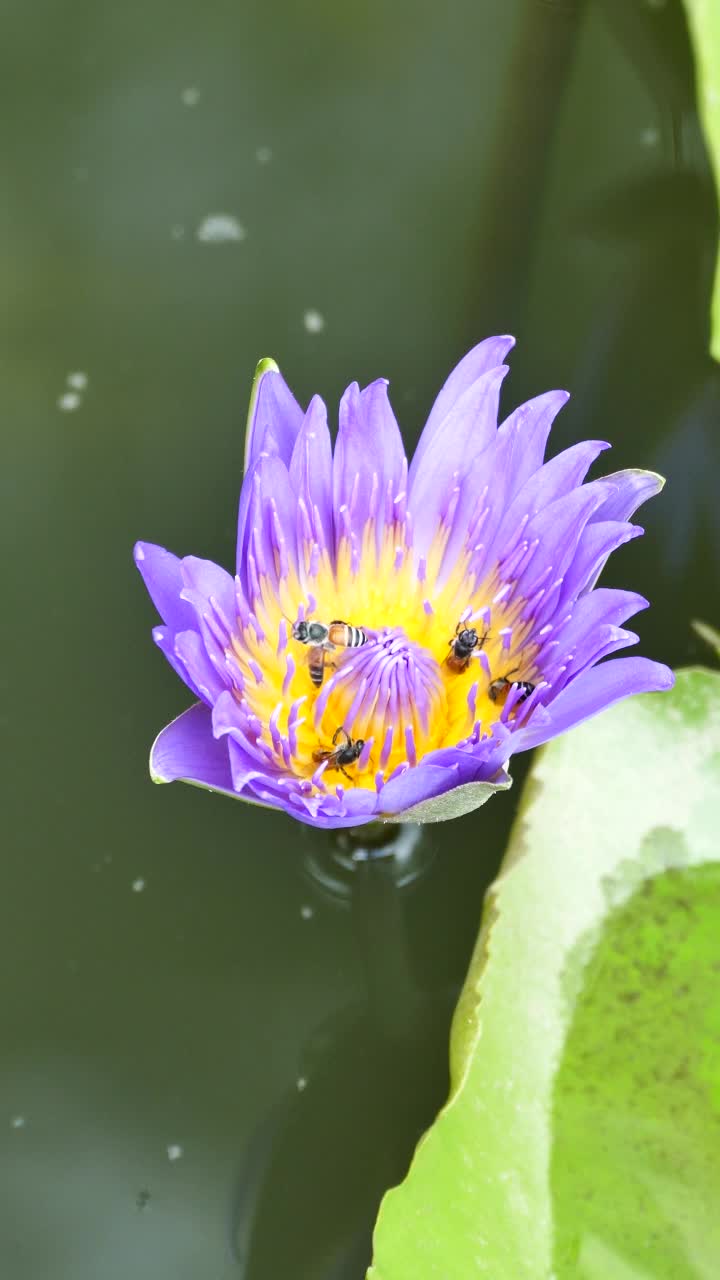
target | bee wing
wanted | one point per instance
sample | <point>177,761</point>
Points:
<point>321,755</point>
<point>319,653</point>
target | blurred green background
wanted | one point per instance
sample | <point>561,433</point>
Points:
<point>193,1062</point>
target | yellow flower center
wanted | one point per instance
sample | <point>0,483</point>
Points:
<point>401,694</point>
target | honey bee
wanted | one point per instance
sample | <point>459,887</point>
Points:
<point>346,752</point>
<point>462,646</point>
<point>323,638</point>
<point>497,687</point>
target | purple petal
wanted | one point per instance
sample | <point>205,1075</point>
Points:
<point>368,459</point>
<point>162,575</point>
<point>274,412</point>
<point>274,421</point>
<point>554,480</point>
<point>194,665</point>
<point>311,473</point>
<point>466,432</point>
<point>187,751</point>
<point>485,356</point>
<point>591,692</point>
<point>443,770</point>
<point>269,531</point>
<point>606,641</point>
<point>382,427</point>
<point>580,639</point>
<point>631,489</point>
<point>211,593</point>
<point>522,438</point>
<point>355,809</point>
<point>473,500</point>
<point>597,542</point>
<point>248,780</point>
<point>557,530</point>
<point>165,640</point>
<point>205,580</point>
<point>415,785</point>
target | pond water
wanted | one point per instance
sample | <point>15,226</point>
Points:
<point>213,1064</point>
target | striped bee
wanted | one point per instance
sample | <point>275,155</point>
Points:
<point>498,687</point>
<point>339,755</point>
<point>323,638</point>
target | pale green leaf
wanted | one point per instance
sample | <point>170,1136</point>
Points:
<point>708,634</point>
<point>704,23</point>
<point>581,1140</point>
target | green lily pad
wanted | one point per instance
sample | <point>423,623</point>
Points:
<point>581,1140</point>
<point>704,23</point>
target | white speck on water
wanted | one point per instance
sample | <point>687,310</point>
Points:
<point>650,137</point>
<point>313,321</point>
<point>177,231</point>
<point>301,1083</point>
<point>174,1151</point>
<point>78,381</point>
<point>263,155</point>
<point>17,1122</point>
<point>138,885</point>
<point>69,401</point>
<point>220,228</point>
<point>306,911</point>
<point>190,96</point>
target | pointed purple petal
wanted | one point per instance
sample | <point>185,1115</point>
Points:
<point>523,435</point>
<point>415,785</point>
<point>165,640</point>
<point>369,456</point>
<point>383,427</point>
<point>591,692</point>
<point>466,432</point>
<point>275,412</point>
<point>580,641</point>
<point>311,471</point>
<point>485,356</point>
<point>631,489</point>
<point>192,662</point>
<point>597,542</point>
<point>208,581</point>
<point>556,530</point>
<point>518,452</point>
<point>554,480</point>
<point>187,751</point>
<point>269,530</point>
<point>162,575</point>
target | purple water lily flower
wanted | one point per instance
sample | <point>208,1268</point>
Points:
<point>394,633</point>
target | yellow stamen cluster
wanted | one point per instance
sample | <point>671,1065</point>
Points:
<point>385,592</point>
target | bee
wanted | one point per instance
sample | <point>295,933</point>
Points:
<point>462,646</point>
<point>346,753</point>
<point>502,685</point>
<point>323,638</point>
